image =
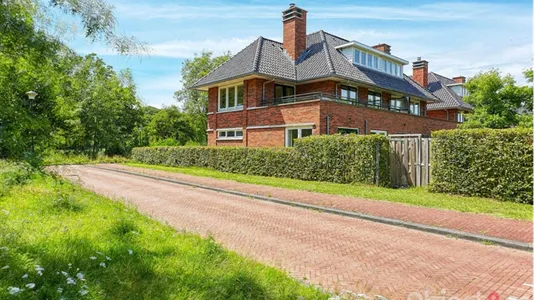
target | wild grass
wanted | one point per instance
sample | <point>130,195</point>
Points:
<point>411,196</point>
<point>58,240</point>
<point>60,158</point>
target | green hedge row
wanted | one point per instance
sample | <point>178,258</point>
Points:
<point>483,162</point>
<point>334,158</point>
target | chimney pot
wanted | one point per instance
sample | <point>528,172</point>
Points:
<point>420,72</point>
<point>294,20</point>
<point>383,47</point>
<point>459,79</point>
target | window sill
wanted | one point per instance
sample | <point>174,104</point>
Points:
<point>230,139</point>
<point>230,110</point>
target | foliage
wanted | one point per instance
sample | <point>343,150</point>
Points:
<point>63,158</point>
<point>169,127</point>
<point>335,158</point>
<point>194,102</point>
<point>60,241</point>
<point>496,100</point>
<point>411,196</point>
<point>483,162</point>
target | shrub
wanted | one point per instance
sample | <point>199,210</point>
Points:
<point>335,158</point>
<point>483,162</point>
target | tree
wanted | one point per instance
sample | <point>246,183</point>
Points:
<point>169,127</point>
<point>496,100</point>
<point>195,103</point>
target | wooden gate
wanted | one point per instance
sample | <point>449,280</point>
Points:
<point>409,160</point>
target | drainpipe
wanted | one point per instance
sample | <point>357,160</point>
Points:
<point>365,127</point>
<point>327,124</point>
<point>447,111</point>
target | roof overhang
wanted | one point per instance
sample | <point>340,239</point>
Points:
<point>356,44</point>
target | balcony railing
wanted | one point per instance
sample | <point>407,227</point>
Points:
<point>328,97</point>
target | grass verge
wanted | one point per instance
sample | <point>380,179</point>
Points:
<point>412,196</point>
<point>58,240</point>
<point>59,158</point>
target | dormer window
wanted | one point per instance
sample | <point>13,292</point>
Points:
<point>363,55</point>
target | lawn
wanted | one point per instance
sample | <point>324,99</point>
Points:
<point>410,196</point>
<point>58,240</point>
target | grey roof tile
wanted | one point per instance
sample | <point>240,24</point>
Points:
<point>320,59</point>
<point>437,84</point>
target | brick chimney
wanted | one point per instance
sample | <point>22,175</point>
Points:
<point>459,79</point>
<point>294,19</point>
<point>420,72</point>
<point>383,47</point>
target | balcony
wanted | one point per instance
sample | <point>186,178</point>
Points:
<point>328,97</point>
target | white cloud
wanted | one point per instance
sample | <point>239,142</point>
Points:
<point>434,12</point>
<point>188,48</point>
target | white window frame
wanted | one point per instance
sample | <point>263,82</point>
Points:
<point>349,128</point>
<point>413,102</point>
<point>299,134</point>
<point>225,131</point>
<point>380,132</point>
<point>227,100</point>
<point>460,117</point>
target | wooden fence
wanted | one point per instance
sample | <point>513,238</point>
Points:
<point>409,160</point>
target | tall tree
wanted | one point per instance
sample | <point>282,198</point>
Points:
<point>497,100</point>
<point>169,127</point>
<point>195,103</point>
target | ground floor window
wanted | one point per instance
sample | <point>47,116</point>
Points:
<point>296,133</point>
<point>381,132</point>
<point>343,130</point>
<point>230,134</point>
<point>460,117</point>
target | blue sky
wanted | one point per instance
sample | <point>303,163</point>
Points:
<point>457,38</point>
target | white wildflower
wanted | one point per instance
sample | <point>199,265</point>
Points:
<point>30,285</point>
<point>38,268</point>
<point>70,266</point>
<point>92,257</point>
<point>4,248</point>
<point>130,251</point>
<point>103,264</point>
<point>64,273</point>
<point>84,292</point>
<point>98,252</point>
<point>60,290</point>
<point>24,276</point>
<point>70,281</point>
<point>5,267</point>
<point>108,258</point>
<point>14,290</point>
<point>80,276</point>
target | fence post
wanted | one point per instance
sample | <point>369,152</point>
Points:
<point>377,164</point>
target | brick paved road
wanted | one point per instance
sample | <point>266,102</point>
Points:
<point>516,230</point>
<point>333,251</point>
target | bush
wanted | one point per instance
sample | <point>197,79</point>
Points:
<point>495,163</point>
<point>334,158</point>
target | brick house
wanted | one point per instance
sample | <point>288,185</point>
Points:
<point>271,93</point>
<point>451,93</point>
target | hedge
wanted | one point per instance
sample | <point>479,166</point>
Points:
<point>483,162</point>
<point>334,158</point>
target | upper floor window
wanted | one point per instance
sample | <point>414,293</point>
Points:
<point>397,104</point>
<point>415,108</point>
<point>374,99</point>
<point>460,117</point>
<point>231,98</point>
<point>349,93</point>
<point>372,61</point>
<point>281,91</point>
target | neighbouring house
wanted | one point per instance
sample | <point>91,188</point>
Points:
<point>449,91</point>
<point>271,93</point>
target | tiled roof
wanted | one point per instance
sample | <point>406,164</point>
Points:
<point>320,59</point>
<point>437,84</point>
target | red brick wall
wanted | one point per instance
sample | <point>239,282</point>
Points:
<point>346,115</point>
<point>304,112</point>
<point>230,143</point>
<point>328,87</point>
<point>230,119</point>
<point>386,98</point>
<point>437,114</point>
<point>363,94</point>
<point>266,137</point>
<point>420,73</point>
<point>253,92</point>
<point>213,95</point>
<point>212,138</point>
